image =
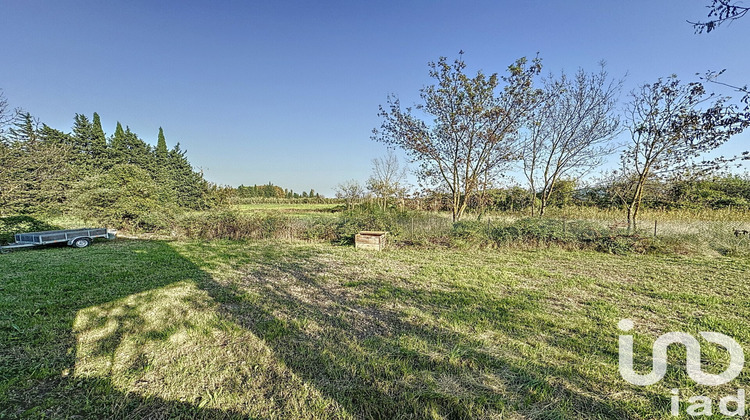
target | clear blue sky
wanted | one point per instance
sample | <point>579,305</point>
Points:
<point>288,92</point>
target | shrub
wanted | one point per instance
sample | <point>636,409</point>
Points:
<point>341,230</point>
<point>419,228</point>
<point>124,197</point>
<point>544,231</point>
<point>233,225</point>
<point>351,223</point>
<point>541,230</point>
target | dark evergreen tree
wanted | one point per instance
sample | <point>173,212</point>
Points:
<point>162,170</point>
<point>116,149</point>
<point>50,135</point>
<point>34,174</point>
<point>127,148</point>
<point>191,190</point>
<point>124,197</point>
<point>98,144</point>
<point>161,148</point>
<point>119,134</point>
<point>24,129</point>
<point>40,165</point>
<point>82,143</point>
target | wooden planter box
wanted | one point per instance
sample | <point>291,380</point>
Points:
<point>370,240</point>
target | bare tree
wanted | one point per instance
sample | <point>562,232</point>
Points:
<point>486,182</point>
<point>7,117</point>
<point>351,191</point>
<point>713,77</point>
<point>671,124</point>
<point>471,128</point>
<point>720,11</point>
<point>388,179</point>
<point>570,132</point>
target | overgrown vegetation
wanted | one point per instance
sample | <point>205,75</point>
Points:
<point>119,181</point>
<point>676,233</point>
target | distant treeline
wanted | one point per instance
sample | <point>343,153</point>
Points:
<point>271,191</point>
<point>714,192</point>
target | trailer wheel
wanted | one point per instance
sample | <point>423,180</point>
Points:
<point>82,242</point>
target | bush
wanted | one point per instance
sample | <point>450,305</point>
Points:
<point>547,230</point>
<point>625,244</point>
<point>409,228</point>
<point>351,223</point>
<point>340,230</point>
<point>233,225</point>
<point>124,197</point>
<point>544,231</point>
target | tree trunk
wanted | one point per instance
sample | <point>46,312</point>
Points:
<point>635,204</point>
<point>461,209</point>
<point>546,194</point>
<point>630,217</point>
<point>459,205</point>
<point>635,215</point>
<point>455,208</point>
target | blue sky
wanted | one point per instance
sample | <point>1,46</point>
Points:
<point>288,92</point>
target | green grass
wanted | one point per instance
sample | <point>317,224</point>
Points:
<point>286,206</point>
<point>304,330</point>
<point>294,210</point>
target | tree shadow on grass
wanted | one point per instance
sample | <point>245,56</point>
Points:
<point>83,329</point>
<point>43,293</point>
<point>385,350</point>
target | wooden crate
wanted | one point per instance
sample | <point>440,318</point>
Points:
<point>374,240</point>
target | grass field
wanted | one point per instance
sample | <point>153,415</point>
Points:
<point>292,208</point>
<point>286,206</point>
<point>223,329</point>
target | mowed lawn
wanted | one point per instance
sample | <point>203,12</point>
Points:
<point>153,329</point>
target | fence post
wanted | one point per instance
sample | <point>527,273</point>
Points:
<point>655,222</point>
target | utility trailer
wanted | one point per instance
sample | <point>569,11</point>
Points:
<point>77,238</point>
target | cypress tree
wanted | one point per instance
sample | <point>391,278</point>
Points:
<point>127,148</point>
<point>161,148</point>
<point>82,134</point>
<point>162,172</point>
<point>98,143</point>
<point>119,133</point>
<point>138,152</point>
<point>190,188</point>
<point>117,144</point>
